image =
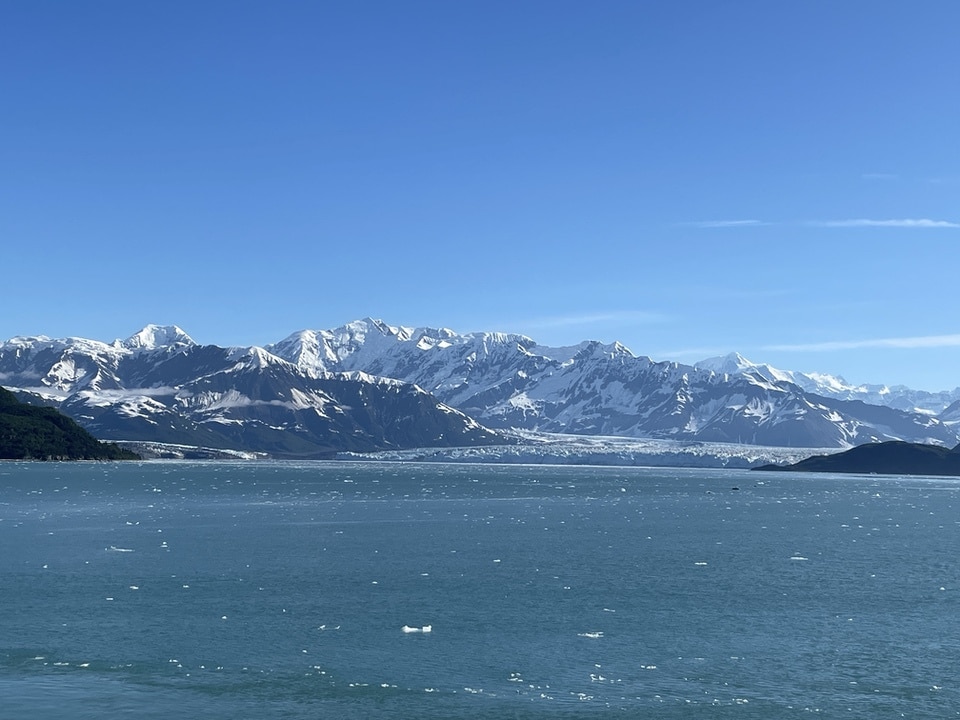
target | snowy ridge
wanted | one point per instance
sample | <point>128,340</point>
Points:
<point>509,381</point>
<point>898,397</point>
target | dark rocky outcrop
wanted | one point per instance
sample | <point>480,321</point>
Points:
<point>888,458</point>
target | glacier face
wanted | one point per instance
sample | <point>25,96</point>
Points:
<point>371,386</point>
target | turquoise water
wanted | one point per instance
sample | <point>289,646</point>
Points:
<point>252,590</point>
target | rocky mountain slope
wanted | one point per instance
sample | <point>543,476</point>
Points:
<point>510,381</point>
<point>161,386</point>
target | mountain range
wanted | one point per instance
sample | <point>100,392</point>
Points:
<point>369,386</point>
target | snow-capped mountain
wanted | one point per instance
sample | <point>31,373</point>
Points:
<point>161,386</point>
<point>507,381</point>
<point>370,386</point>
<point>899,397</point>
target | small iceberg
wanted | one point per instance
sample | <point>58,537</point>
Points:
<point>422,629</point>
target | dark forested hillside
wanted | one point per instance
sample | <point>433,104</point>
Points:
<point>41,433</point>
<point>889,458</point>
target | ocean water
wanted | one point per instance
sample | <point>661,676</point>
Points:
<point>262,590</point>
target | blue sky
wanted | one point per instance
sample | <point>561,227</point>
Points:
<point>689,178</point>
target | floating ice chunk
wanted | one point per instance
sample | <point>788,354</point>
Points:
<point>421,629</point>
<point>798,557</point>
<point>114,548</point>
<point>699,564</point>
<point>594,635</point>
<point>134,587</point>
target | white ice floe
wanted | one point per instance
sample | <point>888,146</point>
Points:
<point>594,635</point>
<point>421,629</point>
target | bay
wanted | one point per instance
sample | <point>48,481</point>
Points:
<point>279,589</point>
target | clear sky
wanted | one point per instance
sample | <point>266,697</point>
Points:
<point>690,178</point>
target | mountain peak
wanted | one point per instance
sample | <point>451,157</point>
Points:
<point>730,364</point>
<point>156,336</point>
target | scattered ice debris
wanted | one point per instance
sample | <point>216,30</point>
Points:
<point>593,635</point>
<point>114,548</point>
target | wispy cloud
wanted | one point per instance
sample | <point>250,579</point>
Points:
<point>724,223</point>
<point>902,223</point>
<point>912,223</point>
<point>622,316</point>
<point>923,341</point>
